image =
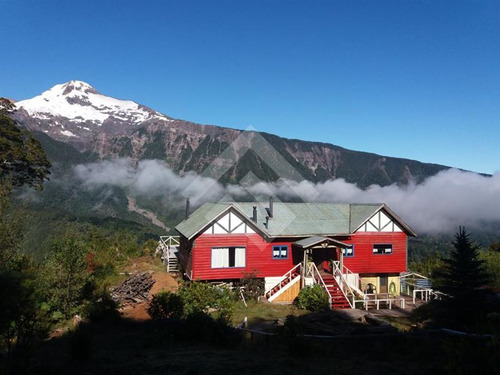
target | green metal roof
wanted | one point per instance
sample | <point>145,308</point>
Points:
<point>360,213</point>
<point>200,218</point>
<point>289,219</point>
<point>300,219</point>
<point>309,242</point>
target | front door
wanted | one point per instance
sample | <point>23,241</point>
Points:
<point>322,258</point>
<point>383,284</point>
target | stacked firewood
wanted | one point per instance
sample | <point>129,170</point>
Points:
<point>133,290</point>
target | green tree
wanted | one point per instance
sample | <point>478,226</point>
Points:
<point>65,272</point>
<point>462,278</point>
<point>491,259</point>
<point>11,231</point>
<point>463,273</point>
<point>22,158</point>
<point>166,305</point>
<point>199,297</point>
<point>22,162</point>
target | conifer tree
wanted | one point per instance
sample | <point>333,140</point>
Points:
<point>462,279</point>
<point>463,271</point>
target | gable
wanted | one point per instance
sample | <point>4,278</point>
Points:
<point>230,223</point>
<point>380,222</point>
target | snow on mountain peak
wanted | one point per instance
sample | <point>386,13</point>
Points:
<point>78,101</point>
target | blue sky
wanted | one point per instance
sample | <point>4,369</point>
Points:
<point>412,79</point>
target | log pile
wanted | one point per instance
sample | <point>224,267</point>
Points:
<point>133,290</point>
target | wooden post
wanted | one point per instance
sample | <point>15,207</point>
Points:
<point>341,258</point>
<point>304,271</point>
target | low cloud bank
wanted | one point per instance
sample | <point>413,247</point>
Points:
<point>440,204</point>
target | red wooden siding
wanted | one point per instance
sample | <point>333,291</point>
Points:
<point>259,257</point>
<point>364,261</point>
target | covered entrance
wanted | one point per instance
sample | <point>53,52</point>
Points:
<point>323,265</point>
<point>321,251</point>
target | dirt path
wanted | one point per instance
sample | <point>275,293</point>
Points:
<point>163,281</point>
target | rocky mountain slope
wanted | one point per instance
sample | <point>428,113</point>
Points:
<point>101,127</point>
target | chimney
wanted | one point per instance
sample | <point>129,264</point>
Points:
<point>254,216</point>
<point>266,224</point>
<point>187,208</point>
<point>270,207</point>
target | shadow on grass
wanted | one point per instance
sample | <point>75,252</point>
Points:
<point>202,346</point>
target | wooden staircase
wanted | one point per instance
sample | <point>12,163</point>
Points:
<point>168,247</point>
<point>339,301</point>
<point>291,276</point>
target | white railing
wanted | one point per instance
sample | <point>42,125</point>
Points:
<point>343,284</point>
<point>314,273</point>
<point>353,280</point>
<point>279,284</point>
<point>168,246</point>
<point>170,240</point>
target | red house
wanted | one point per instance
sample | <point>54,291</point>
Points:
<point>351,250</point>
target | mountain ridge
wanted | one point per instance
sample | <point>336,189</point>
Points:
<point>123,128</point>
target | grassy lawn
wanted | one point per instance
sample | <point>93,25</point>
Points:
<point>258,312</point>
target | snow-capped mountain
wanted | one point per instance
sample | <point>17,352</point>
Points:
<point>75,108</point>
<point>78,101</point>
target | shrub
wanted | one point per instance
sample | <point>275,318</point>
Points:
<point>102,307</point>
<point>312,298</point>
<point>253,287</point>
<point>202,297</point>
<point>197,297</point>
<point>165,305</point>
<point>225,304</point>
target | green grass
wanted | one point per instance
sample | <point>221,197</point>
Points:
<point>258,312</point>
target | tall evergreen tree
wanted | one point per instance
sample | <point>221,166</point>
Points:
<point>462,279</point>
<point>463,271</point>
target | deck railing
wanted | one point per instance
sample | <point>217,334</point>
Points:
<point>343,284</point>
<point>280,284</point>
<point>353,280</point>
<point>168,248</point>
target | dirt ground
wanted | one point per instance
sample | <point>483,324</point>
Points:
<point>163,281</point>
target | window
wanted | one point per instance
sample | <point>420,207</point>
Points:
<point>382,249</point>
<point>280,252</point>
<point>348,252</point>
<point>228,257</point>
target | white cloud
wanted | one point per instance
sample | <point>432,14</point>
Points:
<point>441,203</point>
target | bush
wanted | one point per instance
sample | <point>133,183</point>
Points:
<point>165,305</point>
<point>101,308</point>
<point>312,298</point>
<point>253,287</point>
<point>202,297</point>
<point>197,297</point>
<point>225,304</point>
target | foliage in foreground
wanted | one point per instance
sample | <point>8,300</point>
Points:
<point>312,298</point>
<point>166,305</point>
<point>194,298</point>
<point>251,285</point>
<point>22,158</point>
<point>467,304</point>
